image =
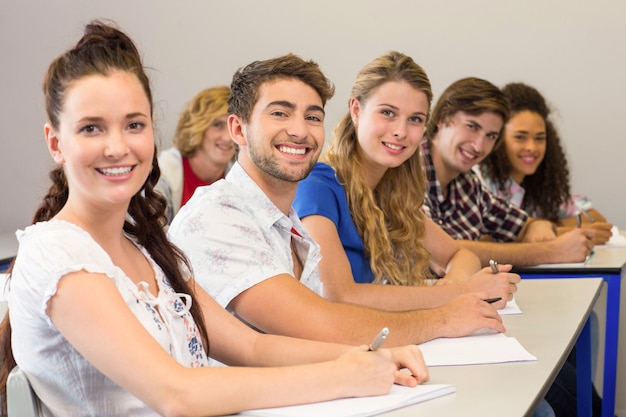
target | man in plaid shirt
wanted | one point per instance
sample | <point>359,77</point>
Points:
<point>464,127</point>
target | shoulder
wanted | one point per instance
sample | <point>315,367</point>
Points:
<point>169,156</point>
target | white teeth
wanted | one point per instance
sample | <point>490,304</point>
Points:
<point>392,146</point>
<point>468,155</point>
<point>292,151</point>
<point>114,172</point>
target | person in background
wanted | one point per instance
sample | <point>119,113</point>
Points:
<point>104,317</point>
<point>358,204</point>
<point>247,245</point>
<point>203,151</point>
<point>465,126</point>
<point>530,161</point>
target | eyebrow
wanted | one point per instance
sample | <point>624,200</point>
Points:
<point>291,106</point>
<point>396,108</point>
<point>100,119</point>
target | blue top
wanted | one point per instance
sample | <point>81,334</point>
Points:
<point>322,194</point>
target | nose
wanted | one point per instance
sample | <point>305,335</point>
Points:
<point>482,144</point>
<point>298,128</point>
<point>400,129</point>
<point>530,145</point>
<point>116,145</point>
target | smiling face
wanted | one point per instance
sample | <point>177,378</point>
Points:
<point>217,148</point>
<point>525,143</point>
<point>390,125</point>
<point>462,142</point>
<point>104,139</point>
<point>285,134</point>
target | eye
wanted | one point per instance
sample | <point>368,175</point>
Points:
<point>387,112</point>
<point>492,136</point>
<point>278,113</point>
<point>519,138</point>
<point>472,126</point>
<point>219,125</point>
<point>89,129</point>
<point>314,118</point>
<point>136,126</point>
<point>416,119</point>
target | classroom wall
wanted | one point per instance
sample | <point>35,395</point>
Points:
<point>573,51</point>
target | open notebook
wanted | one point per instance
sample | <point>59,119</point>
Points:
<point>398,397</point>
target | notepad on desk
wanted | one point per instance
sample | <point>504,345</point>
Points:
<point>474,350</point>
<point>399,396</point>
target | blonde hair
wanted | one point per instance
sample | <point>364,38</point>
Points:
<point>388,218</point>
<point>200,113</point>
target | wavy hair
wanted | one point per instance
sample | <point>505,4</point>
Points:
<point>104,49</point>
<point>388,218</point>
<point>552,173</point>
<point>198,115</point>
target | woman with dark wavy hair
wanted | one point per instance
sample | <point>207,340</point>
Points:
<point>531,160</point>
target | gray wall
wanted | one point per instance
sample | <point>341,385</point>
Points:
<point>573,51</point>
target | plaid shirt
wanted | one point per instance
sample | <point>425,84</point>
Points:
<point>470,210</point>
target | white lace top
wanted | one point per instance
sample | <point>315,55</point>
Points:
<point>64,381</point>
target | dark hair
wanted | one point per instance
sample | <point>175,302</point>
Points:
<point>552,173</point>
<point>470,95</point>
<point>244,88</point>
<point>104,49</point>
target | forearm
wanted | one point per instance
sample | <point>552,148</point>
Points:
<point>395,298</point>
<point>274,350</point>
<point>210,390</point>
<point>517,254</point>
<point>463,265</point>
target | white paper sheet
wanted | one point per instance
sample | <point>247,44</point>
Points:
<point>399,396</point>
<point>474,350</point>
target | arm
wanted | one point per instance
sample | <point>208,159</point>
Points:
<point>353,324</point>
<point>90,313</point>
<point>573,246</point>
<point>537,230</point>
<point>460,264</point>
<point>260,349</point>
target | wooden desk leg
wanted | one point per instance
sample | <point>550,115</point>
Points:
<point>611,344</point>
<point>583,371</point>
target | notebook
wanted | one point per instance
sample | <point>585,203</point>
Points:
<point>399,396</point>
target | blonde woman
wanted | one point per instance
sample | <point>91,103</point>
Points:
<point>362,202</point>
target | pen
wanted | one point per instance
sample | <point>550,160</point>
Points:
<point>579,220</point>
<point>588,216</point>
<point>378,340</point>
<point>492,300</point>
<point>494,266</point>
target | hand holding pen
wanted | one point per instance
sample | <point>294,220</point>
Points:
<point>495,269</point>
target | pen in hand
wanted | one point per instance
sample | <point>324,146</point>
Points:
<point>378,340</point>
<point>494,266</point>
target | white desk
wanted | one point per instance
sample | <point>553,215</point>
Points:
<point>555,312</point>
<point>610,264</point>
